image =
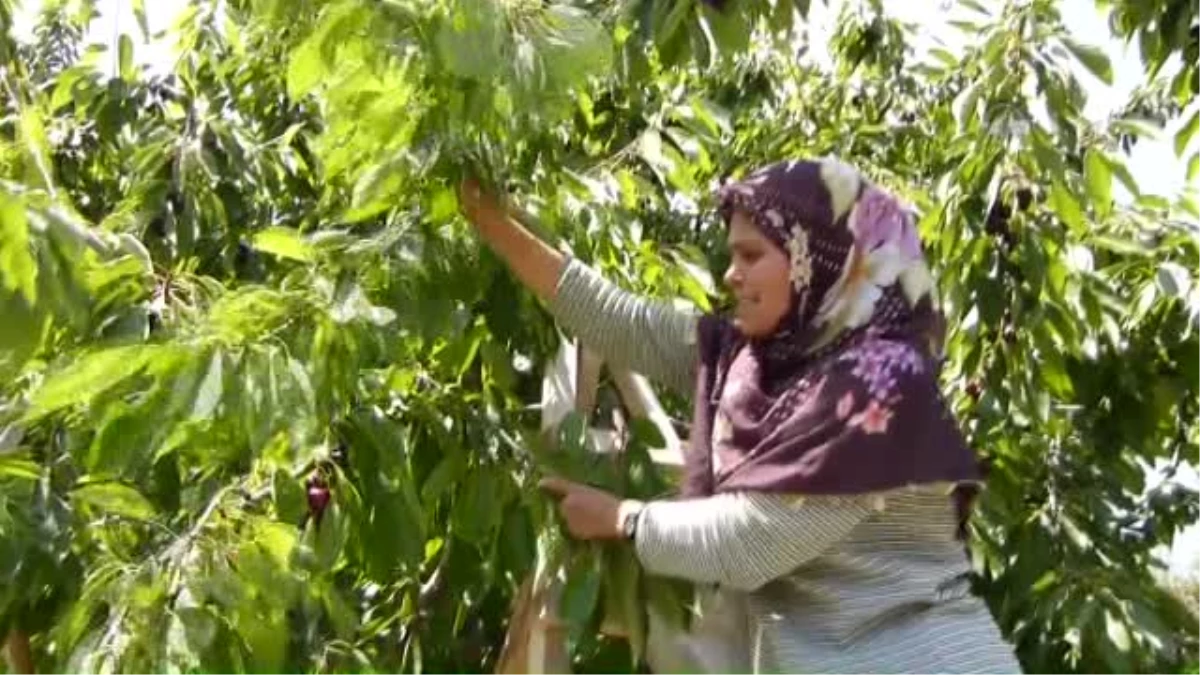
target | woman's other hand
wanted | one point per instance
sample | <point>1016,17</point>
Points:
<point>590,513</point>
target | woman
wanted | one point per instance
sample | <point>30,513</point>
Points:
<point>826,484</point>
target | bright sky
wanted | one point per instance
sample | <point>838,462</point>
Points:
<point>1153,163</point>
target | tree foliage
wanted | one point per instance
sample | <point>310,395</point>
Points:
<point>267,406</point>
<point>1168,36</point>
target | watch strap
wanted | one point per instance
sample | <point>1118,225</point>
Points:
<point>631,512</point>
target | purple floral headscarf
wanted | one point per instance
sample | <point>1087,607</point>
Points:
<point>843,398</point>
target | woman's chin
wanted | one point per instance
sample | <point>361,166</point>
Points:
<point>747,329</point>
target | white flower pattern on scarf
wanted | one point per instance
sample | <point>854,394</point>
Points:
<point>842,181</point>
<point>801,262</point>
<point>886,250</point>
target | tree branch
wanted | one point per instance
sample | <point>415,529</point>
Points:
<point>20,656</point>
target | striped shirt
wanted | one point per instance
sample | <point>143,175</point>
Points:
<point>790,583</point>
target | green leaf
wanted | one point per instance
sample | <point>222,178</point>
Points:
<point>277,540</point>
<point>973,5</point>
<point>1174,279</point>
<point>1064,204</point>
<point>650,148</point>
<point>697,281</point>
<point>478,507</point>
<point>947,59</point>
<point>19,468</point>
<point>265,633</point>
<point>139,13</point>
<point>518,541</point>
<point>1093,58</point>
<point>647,433</point>
<point>208,396</point>
<point>1048,155</point>
<point>1053,370</point>
<point>1123,174</point>
<point>1118,633</point>
<point>473,41</point>
<point>64,89</point>
<point>289,497</point>
<point>965,105</point>
<point>443,205</point>
<point>1050,578</point>
<point>376,189</point>
<point>448,472</point>
<point>1153,202</point>
<point>18,272</point>
<point>729,29</point>
<point>306,68</point>
<point>190,630</point>
<point>1193,167</point>
<point>573,435</point>
<point>667,30</point>
<point>1184,136</point>
<point>283,242</point>
<point>1098,177</point>
<point>35,149</point>
<point>1137,127</point>
<point>114,498</point>
<point>326,540</point>
<point>1189,205</point>
<point>89,377</point>
<point>572,45</point>
<point>624,604</point>
<point>552,549</point>
<point>581,593</point>
<point>351,304</point>
<point>125,56</point>
<point>341,613</point>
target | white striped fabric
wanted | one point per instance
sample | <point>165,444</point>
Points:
<point>649,337</point>
<point>814,584</point>
<point>740,541</point>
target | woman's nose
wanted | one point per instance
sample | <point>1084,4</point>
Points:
<point>733,278</point>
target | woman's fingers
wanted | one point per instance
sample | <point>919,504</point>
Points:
<point>470,187</point>
<point>469,194</point>
<point>589,513</point>
<point>559,487</point>
<point>474,200</point>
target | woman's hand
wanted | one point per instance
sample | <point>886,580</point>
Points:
<point>535,263</point>
<point>479,206</point>
<point>590,513</point>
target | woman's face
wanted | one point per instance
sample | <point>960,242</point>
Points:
<point>758,277</point>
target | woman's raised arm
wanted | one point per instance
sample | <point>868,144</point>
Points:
<point>536,263</point>
<point>644,335</point>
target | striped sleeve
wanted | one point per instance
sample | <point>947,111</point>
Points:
<point>648,336</point>
<point>741,540</point>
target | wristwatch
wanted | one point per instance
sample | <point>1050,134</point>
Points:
<point>630,510</point>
